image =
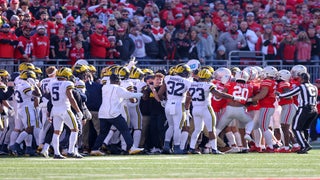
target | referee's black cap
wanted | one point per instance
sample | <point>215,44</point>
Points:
<point>305,77</point>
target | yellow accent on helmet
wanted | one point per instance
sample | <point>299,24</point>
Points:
<point>110,70</point>
<point>172,70</point>
<point>92,68</point>
<point>209,68</point>
<point>103,70</point>
<point>4,73</point>
<point>64,72</point>
<point>234,70</point>
<point>147,71</point>
<point>38,70</point>
<point>79,68</point>
<point>26,67</point>
<point>123,73</point>
<point>136,73</point>
<point>28,74</point>
<point>205,74</point>
<point>183,70</point>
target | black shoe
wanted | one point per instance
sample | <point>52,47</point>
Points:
<point>308,148</point>
<point>303,151</point>
<point>193,151</point>
<point>58,157</point>
<point>73,155</point>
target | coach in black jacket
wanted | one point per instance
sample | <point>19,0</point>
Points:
<point>307,110</point>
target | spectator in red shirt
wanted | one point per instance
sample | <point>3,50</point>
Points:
<point>76,53</point>
<point>41,44</point>
<point>25,46</point>
<point>44,20</point>
<point>99,43</point>
<point>287,47</point>
<point>8,41</point>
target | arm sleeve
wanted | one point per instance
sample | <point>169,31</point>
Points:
<point>291,93</point>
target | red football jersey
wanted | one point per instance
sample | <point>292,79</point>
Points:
<point>27,46</point>
<point>240,90</point>
<point>218,103</point>
<point>268,101</point>
<point>256,89</point>
<point>76,54</point>
<point>295,83</point>
<point>280,88</point>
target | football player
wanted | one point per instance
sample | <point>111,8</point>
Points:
<point>177,105</point>
<point>201,93</point>
<point>266,98</point>
<point>26,115</point>
<point>62,100</point>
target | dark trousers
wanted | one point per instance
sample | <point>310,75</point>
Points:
<point>157,131</point>
<point>120,123</point>
<point>301,123</point>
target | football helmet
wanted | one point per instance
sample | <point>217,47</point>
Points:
<point>284,75</point>
<point>183,70</point>
<point>298,69</point>
<point>123,73</point>
<point>172,70</point>
<point>4,73</point>
<point>26,67</point>
<point>91,68</point>
<point>225,79</point>
<point>242,75</point>
<point>64,73</point>
<point>234,70</point>
<point>147,71</point>
<point>259,71</point>
<point>136,73</point>
<point>253,73</point>
<point>220,72</point>
<point>205,74</point>
<point>209,68</point>
<point>270,71</point>
<point>28,74</point>
<point>110,70</point>
<point>79,68</point>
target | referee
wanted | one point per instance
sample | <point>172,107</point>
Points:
<point>307,110</point>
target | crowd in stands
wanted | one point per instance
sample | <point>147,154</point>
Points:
<point>44,30</point>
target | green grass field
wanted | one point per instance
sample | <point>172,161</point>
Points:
<point>252,165</point>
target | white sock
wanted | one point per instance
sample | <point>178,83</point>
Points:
<point>238,138</point>
<point>72,141</point>
<point>257,137</point>
<point>183,139</point>
<point>296,145</point>
<point>55,144</point>
<point>268,138</point>
<point>13,137</point>
<point>108,137</point>
<point>213,143</point>
<point>28,140</point>
<point>136,137</point>
<point>231,138</point>
<point>22,136</point>
<point>194,139</point>
<point>123,143</point>
<point>43,132</point>
<point>45,147</point>
<point>36,132</point>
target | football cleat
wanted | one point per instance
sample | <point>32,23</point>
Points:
<point>233,150</point>
<point>45,154</point>
<point>74,155</point>
<point>283,150</point>
<point>134,150</point>
<point>295,149</point>
<point>59,156</point>
<point>214,151</point>
<point>193,151</point>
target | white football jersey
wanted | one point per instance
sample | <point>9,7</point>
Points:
<point>58,93</point>
<point>23,94</point>
<point>200,93</point>
<point>177,88</point>
<point>44,84</point>
<point>79,84</point>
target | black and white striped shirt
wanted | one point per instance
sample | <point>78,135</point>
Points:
<point>307,94</point>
